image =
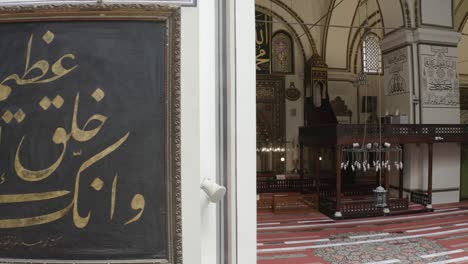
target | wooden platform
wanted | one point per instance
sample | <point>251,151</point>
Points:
<point>357,206</point>
<point>289,202</point>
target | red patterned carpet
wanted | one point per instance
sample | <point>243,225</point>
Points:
<point>437,237</point>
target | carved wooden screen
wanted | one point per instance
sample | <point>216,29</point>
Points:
<point>271,115</point>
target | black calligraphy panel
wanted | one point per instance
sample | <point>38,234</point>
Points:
<point>263,42</point>
<point>82,144</point>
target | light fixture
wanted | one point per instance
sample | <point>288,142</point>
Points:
<point>361,79</point>
<point>372,155</point>
<point>380,197</point>
<point>292,93</point>
<point>378,156</point>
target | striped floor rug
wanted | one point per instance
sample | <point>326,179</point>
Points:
<point>436,237</point>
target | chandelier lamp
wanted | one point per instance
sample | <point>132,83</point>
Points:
<point>372,156</point>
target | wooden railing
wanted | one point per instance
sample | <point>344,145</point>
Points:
<point>347,134</point>
<point>442,131</point>
<point>288,185</point>
<point>356,209</point>
<point>398,204</point>
<point>351,190</point>
<point>360,208</point>
<point>308,185</point>
<point>420,198</point>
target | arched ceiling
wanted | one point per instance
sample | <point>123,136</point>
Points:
<point>463,52</point>
<point>337,38</point>
<point>295,12</point>
<point>323,26</point>
<point>341,44</point>
<point>461,14</point>
<point>393,14</point>
<point>461,25</point>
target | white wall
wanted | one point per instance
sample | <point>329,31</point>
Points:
<point>246,133</point>
<point>208,123</point>
<point>198,144</point>
<point>347,91</point>
<point>392,18</point>
<point>190,136</point>
<point>336,49</point>
<point>446,173</point>
<point>436,12</point>
<point>446,170</point>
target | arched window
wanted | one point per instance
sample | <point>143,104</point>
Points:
<point>282,53</point>
<point>371,54</point>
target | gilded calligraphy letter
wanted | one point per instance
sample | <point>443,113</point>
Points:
<point>28,53</point>
<point>59,70</point>
<point>114,189</point>
<point>259,42</point>
<point>30,197</point>
<point>36,220</point>
<point>82,222</point>
<point>42,65</point>
<point>138,203</point>
<point>60,137</point>
<point>83,135</point>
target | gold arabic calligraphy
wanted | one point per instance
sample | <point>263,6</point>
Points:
<point>60,137</point>
<point>262,40</point>
<point>30,75</point>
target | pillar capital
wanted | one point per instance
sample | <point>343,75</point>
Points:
<point>433,36</point>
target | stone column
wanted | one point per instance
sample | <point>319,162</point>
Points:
<point>421,80</point>
<point>338,182</point>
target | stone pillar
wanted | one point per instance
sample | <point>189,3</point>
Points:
<point>338,182</point>
<point>421,81</point>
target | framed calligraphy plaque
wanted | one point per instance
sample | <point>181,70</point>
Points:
<point>90,127</point>
<point>41,2</point>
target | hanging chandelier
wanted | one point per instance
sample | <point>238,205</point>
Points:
<point>372,156</point>
<point>376,156</point>
<point>361,79</point>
